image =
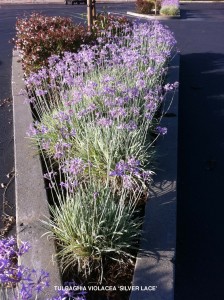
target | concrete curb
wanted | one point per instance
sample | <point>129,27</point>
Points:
<point>31,198</point>
<point>154,267</point>
<point>152,17</point>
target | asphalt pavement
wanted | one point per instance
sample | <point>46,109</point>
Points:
<point>200,194</point>
<point>200,36</point>
<point>7,194</point>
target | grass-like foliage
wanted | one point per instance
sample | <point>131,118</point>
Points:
<point>96,121</point>
<point>170,8</point>
<point>105,109</point>
<point>93,224</point>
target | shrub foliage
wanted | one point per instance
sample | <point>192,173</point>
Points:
<point>148,6</point>
<point>39,36</point>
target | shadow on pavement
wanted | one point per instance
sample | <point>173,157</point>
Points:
<point>200,205</point>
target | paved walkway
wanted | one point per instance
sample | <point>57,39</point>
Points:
<point>200,227</point>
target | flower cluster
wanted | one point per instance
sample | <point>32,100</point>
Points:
<point>94,102</point>
<point>9,252</point>
<point>128,170</point>
<point>27,283</point>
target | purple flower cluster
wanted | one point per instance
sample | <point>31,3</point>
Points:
<point>130,170</point>
<point>29,282</point>
<point>107,91</point>
<point>32,283</point>
<point>10,273</point>
<point>67,73</point>
<point>170,3</point>
<point>74,171</point>
<point>161,130</point>
<point>122,168</point>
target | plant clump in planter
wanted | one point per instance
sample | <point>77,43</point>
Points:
<point>170,8</point>
<point>96,123</point>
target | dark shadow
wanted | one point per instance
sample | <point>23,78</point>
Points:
<point>201,10</point>
<point>200,205</point>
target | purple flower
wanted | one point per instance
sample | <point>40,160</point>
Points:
<point>43,129</point>
<point>127,182</point>
<point>24,248</point>
<point>128,126</point>
<point>33,131</point>
<point>75,166</point>
<point>60,148</point>
<point>105,122</point>
<point>161,130</point>
<point>45,144</point>
<point>70,184</point>
<point>95,195</point>
<point>29,282</point>
<point>123,168</point>
<point>50,175</point>
<point>118,112</point>
<point>62,116</point>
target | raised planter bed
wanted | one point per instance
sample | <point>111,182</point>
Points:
<point>154,264</point>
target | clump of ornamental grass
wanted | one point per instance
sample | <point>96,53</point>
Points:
<point>96,114</point>
<point>142,53</point>
<point>100,105</point>
<point>170,8</point>
<point>18,282</point>
<point>93,224</point>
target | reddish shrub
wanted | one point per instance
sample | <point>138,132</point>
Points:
<point>40,36</point>
<point>147,6</point>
